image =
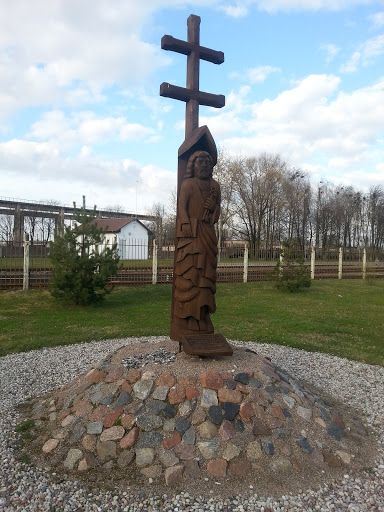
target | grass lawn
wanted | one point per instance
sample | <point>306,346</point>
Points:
<point>345,317</point>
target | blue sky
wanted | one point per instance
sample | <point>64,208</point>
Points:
<point>80,111</point>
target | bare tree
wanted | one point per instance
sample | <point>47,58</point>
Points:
<point>258,189</point>
<point>225,173</point>
<point>6,228</point>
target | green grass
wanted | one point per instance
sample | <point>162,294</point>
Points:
<point>345,317</point>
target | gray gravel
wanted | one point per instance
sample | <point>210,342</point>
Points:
<point>24,488</point>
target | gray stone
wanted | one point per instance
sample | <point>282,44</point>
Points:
<point>167,457</point>
<point>242,377</point>
<point>105,364</point>
<point>37,409</point>
<point>189,437</point>
<point>186,408</point>
<point>76,423</point>
<point>106,400</point>
<point>149,422</point>
<point>96,387</point>
<point>155,406</point>
<point>209,449</point>
<point>125,458</point>
<point>182,425</point>
<point>134,408</point>
<point>335,431</point>
<point>255,383</point>
<point>160,393</point>
<point>169,425</point>
<point>254,451</point>
<point>50,445</point>
<point>304,413</point>
<point>106,450</point>
<point>290,401</point>
<point>231,384</point>
<point>149,440</point>
<point>207,430</point>
<point>208,398</point>
<point>77,434</point>
<point>231,451</point>
<point>73,456</point>
<point>169,411</point>
<point>125,398</point>
<point>112,434</point>
<point>173,475</point>
<point>152,471</point>
<point>95,427</point>
<point>144,457</point>
<point>230,410</point>
<point>108,466</point>
<point>267,446</point>
<point>239,425</point>
<point>324,414</point>
<point>282,465</point>
<point>192,469</point>
<point>143,388</point>
<point>215,414</point>
<point>304,445</point>
<point>281,433</point>
<point>198,416</point>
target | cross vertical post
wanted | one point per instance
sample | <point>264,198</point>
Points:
<point>191,93</point>
<point>193,76</point>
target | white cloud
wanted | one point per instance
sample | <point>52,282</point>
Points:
<point>331,51</point>
<point>68,51</point>
<point>241,8</point>
<point>46,173</point>
<point>377,19</point>
<point>352,65</point>
<point>313,122</point>
<point>373,48</point>
<point>258,74</point>
<point>307,5</point>
<point>365,54</point>
<point>85,128</point>
<point>238,10</point>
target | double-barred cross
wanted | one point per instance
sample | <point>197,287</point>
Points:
<point>191,94</point>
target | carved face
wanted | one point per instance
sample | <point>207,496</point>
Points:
<point>203,168</point>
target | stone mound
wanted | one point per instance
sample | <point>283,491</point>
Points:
<point>148,417</point>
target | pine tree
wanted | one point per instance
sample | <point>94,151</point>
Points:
<point>81,262</point>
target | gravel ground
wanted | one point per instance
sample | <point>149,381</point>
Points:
<point>25,488</point>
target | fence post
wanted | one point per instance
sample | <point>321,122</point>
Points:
<point>313,259</point>
<point>281,260</point>
<point>245,273</point>
<point>340,273</point>
<point>26,262</point>
<point>364,263</point>
<point>154,263</point>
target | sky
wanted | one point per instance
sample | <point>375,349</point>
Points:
<point>81,115</point>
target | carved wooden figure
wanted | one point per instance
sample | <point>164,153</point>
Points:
<point>198,200</point>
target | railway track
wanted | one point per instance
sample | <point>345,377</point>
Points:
<point>13,279</point>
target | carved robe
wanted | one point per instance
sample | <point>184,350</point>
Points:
<point>196,256</point>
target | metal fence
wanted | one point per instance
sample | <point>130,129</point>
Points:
<point>29,265</point>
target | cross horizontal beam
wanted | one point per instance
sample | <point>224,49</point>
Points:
<point>177,45</point>
<point>180,93</point>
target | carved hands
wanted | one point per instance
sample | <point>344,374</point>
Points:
<point>210,204</point>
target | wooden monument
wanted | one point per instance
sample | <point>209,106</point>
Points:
<point>198,207</point>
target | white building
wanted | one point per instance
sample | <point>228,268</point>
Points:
<point>130,234</point>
